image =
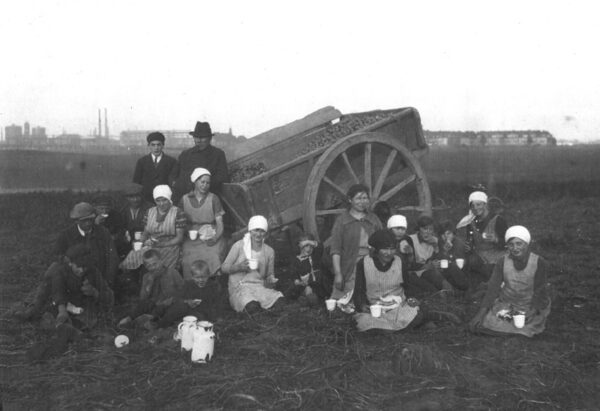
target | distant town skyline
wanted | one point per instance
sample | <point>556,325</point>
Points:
<point>252,66</point>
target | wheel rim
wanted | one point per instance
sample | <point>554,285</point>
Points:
<point>377,160</point>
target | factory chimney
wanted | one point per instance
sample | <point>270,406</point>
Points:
<point>105,124</point>
<point>99,124</point>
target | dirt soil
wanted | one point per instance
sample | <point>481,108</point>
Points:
<point>306,358</point>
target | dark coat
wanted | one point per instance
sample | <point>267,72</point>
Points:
<point>101,244</point>
<point>211,158</point>
<point>149,176</point>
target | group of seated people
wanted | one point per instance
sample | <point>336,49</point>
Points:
<point>176,257</point>
<point>373,265</point>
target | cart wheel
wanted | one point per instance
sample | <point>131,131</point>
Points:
<point>377,160</point>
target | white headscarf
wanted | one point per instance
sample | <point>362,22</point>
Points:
<point>199,172</point>
<point>162,190</point>
<point>255,222</point>
<point>474,196</point>
<point>397,220</point>
<point>518,231</point>
<point>478,196</point>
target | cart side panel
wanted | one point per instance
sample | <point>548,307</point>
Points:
<point>406,127</point>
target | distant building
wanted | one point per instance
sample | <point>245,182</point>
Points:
<point>70,141</point>
<point>13,134</point>
<point>489,138</point>
<point>176,140</point>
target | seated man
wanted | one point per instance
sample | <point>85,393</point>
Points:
<point>516,289</point>
<point>97,238</point>
<point>72,289</point>
<point>73,296</point>
<point>160,287</point>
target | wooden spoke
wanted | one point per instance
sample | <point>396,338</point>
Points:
<point>368,167</point>
<point>349,168</point>
<point>388,168</point>
<point>335,186</point>
<point>384,173</point>
<point>390,193</point>
<point>333,211</point>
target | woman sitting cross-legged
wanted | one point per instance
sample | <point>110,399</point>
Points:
<point>517,286</point>
<point>250,265</point>
<point>164,228</point>
<point>379,282</point>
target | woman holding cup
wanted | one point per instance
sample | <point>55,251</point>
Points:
<point>250,265</point>
<point>379,293</point>
<point>164,229</point>
<point>204,214</point>
<point>517,287</point>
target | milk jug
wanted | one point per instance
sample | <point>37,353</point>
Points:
<point>203,343</point>
<point>185,330</point>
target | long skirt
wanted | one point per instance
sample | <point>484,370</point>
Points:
<point>200,250</point>
<point>533,325</point>
<point>246,292</point>
<point>395,319</point>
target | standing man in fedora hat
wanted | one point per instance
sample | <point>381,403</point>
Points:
<point>154,169</point>
<point>204,155</point>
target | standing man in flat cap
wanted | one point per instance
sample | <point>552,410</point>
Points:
<point>154,169</point>
<point>204,155</point>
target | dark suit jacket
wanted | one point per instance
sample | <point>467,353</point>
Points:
<point>101,244</point>
<point>149,176</point>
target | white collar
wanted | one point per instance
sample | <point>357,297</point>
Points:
<point>80,231</point>
<point>156,157</point>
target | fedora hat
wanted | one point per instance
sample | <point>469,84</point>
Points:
<point>202,130</point>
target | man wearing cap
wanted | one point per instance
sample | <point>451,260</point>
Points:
<point>204,155</point>
<point>155,168</point>
<point>96,237</point>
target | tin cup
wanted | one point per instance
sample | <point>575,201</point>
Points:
<point>330,303</point>
<point>375,310</point>
<point>193,234</point>
<point>443,263</point>
<point>253,264</point>
<point>137,236</point>
<point>137,245</point>
<point>519,319</point>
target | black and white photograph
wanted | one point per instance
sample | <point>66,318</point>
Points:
<point>316,205</point>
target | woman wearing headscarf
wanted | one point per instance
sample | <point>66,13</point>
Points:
<point>164,229</point>
<point>250,265</point>
<point>349,241</point>
<point>483,232</point>
<point>204,213</point>
<point>379,281</point>
<point>518,284</point>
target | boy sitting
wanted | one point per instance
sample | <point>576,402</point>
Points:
<point>159,287</point>
<point>306,273</point>
<point>201,295</point>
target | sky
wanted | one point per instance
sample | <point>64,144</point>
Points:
<point>255,65</point>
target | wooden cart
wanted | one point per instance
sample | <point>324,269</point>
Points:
<point>304,178</point>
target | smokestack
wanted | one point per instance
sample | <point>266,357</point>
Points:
<point>105,124</point>
<point>99,124</point>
